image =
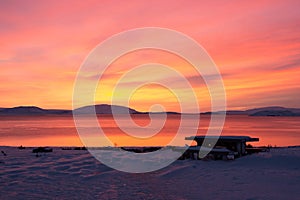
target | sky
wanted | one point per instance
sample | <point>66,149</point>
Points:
<point>255,45</point>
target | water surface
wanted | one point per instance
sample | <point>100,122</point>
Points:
<point>61,131</point>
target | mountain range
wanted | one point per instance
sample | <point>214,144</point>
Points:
<point>107,109</point>
<point>32,110</point>
<point>263,111</point>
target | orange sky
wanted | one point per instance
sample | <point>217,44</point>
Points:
<point>255,44</point>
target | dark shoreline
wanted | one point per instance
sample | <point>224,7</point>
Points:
<point>30,147</point>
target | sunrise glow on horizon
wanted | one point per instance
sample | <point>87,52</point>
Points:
<point>254,44</point>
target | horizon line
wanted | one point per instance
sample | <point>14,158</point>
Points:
<point>271,106</point>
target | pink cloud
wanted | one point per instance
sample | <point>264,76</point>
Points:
<point>43,43</point>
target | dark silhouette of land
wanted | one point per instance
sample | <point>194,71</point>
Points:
<point>32,110</point>
<point>264,111</point>
<point>108,109</point>
<point>105,109</point>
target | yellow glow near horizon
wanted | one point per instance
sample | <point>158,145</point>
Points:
<point>256,49</point>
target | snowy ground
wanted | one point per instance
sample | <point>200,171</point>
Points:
<point>75,174</point>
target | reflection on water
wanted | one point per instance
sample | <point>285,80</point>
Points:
<point>61,131</point>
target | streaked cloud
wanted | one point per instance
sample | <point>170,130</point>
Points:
<point>255,44</point>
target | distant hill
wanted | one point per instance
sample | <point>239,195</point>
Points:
<point>264,111</point>
<point>235,112</point>
<point>274,111</point>
<point>105,109</point>
<point>32,110</point>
